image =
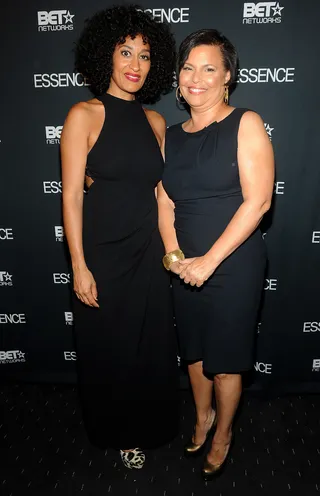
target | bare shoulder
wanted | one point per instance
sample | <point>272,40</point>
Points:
<point>82,112</point>
<point>250,122</point>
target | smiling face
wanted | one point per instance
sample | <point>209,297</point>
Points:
<point>131,64</point>
<point>203,76</point>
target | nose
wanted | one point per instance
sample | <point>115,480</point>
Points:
<point>196,77</point>
<point>135,63</point>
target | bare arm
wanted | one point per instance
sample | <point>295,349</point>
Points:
<point>256,169</point>
<point>74,150</point>
<point>165,205</point>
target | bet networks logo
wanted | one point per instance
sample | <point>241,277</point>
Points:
<point>316,365</point>
<point>12,356</point>
<point>13,318</point>
<point>6,233</point>
<point>55,20</point>
<point>5,278</point>
<point>172,15</point>
<point>269,130</point>
<point>53,134</point>
<point>68,317</point>
<point>59,233</point>
<point>59,80</point>
<point>266,75</point>
<point>262,13</point>
<point>316,237</point>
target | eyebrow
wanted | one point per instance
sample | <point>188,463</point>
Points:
<point>131,48</point>
<point>205,65</point>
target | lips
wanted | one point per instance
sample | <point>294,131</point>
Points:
<point>134,78</point>
<point>196,91</point>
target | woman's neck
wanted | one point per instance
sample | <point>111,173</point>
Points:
<point>202,117</point>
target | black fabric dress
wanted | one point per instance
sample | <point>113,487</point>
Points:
<point>126,349</point>
<point>216,323</point>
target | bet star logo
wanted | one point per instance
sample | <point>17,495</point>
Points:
<point>68,17</point>
<point>277,9</point>
<point>20,354</point>
<point>269,130</point>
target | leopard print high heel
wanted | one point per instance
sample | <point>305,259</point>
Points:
<point>133,459</point>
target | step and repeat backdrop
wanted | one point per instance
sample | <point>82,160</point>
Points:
<point>278,78</point>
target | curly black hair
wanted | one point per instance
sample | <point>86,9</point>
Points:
<point>110,27</point>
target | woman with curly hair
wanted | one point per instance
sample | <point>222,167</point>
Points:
<point>124,332</point>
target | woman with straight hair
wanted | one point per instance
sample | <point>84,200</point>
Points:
<point>217,185</point>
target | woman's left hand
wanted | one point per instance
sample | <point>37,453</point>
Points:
<point>196,270</point>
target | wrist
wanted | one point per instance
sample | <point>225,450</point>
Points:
<point>171,257</point>
<point>77,266</point>
<point>211,259</point>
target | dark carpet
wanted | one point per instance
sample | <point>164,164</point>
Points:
<point>44,450</point>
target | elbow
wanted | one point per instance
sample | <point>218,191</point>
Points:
<point>266,205</point>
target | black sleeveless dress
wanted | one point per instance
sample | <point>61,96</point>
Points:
<point>126,349</point>
<point>216,323</point>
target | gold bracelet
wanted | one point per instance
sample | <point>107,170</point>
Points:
<point>171,257</point>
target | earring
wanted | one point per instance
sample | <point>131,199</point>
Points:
<point>179,97</point>
<point>226,95</point>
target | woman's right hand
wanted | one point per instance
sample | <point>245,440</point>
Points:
<point>85,287</point>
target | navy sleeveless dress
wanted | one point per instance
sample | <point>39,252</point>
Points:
<point>126,349</point>
<point>217,322</point>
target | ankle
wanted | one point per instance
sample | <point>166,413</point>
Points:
<point>205,417</point>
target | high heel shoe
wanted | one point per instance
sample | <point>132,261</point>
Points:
<point>133,459</point>
<point>211,471</point>
<point>192,449</point>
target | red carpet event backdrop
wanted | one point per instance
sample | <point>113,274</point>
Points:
<point>278,77</point>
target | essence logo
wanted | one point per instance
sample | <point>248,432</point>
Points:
<point>262,13</point>
<point>316,365</point>
<point>52,187</point>
<point>59,233</point>
<point>6,233</point>
<point>59,80</point>
<point>53,135</point>
<point>311,327</point>
<point>13,318</point>
<point>269,130</point>
<point>316,237</point>
<point>68,317</point>
<point>279,187</point>
<point>266,75</point>
<point>172,15</point>
<point>263,368</point>
<point>5,278</point>
<point>12,356</point>
<point>70,355</point>
<point>61,278</point>
<point>270,285</point>
<point>55,20</point>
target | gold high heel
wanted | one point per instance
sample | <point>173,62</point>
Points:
<point>209,470</point>
<point>192,449</point>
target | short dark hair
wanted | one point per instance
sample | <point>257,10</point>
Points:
<point>106,29</point>
<point>211,37</point>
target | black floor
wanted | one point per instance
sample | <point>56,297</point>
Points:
<point>44,450</point>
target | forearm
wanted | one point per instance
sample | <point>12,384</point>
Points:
<point>72,219</point>
<point>242,225</point>
<point>166,227</point>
